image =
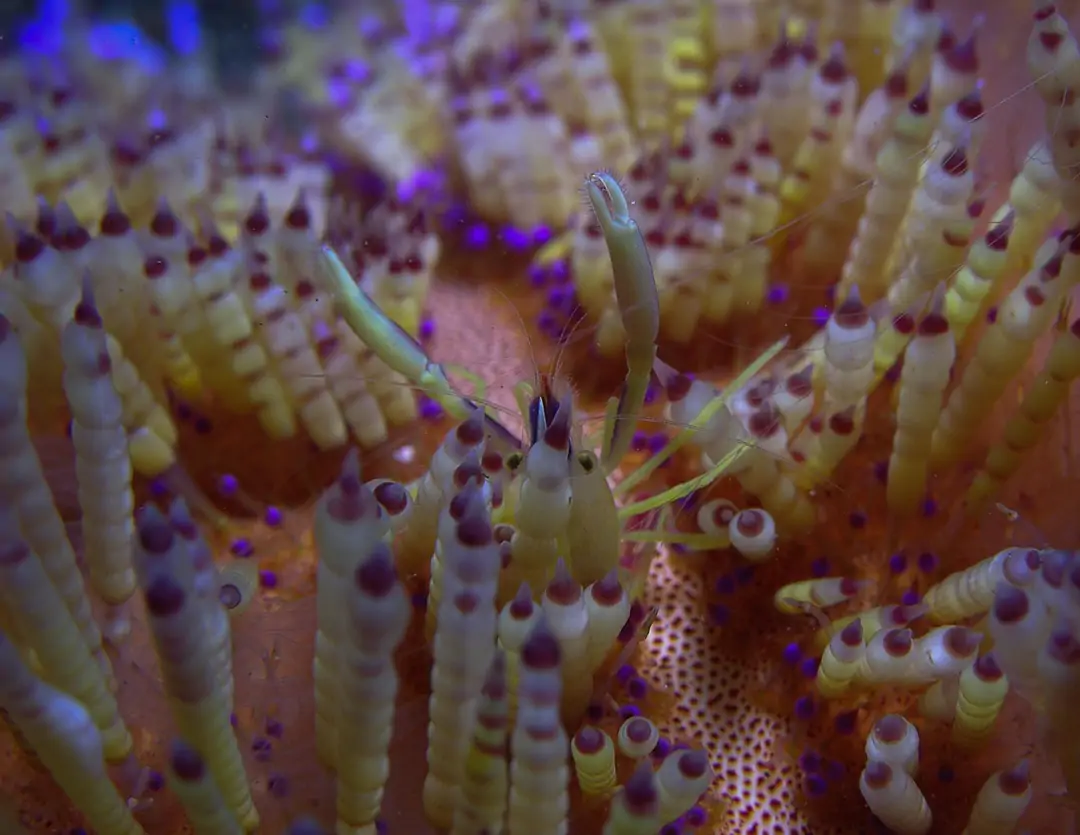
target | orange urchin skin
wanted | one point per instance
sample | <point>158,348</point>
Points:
<point>724,686</point>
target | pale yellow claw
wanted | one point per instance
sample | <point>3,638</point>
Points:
<point>639,306</point>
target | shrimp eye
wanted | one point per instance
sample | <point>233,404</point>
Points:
<point>587,461</point>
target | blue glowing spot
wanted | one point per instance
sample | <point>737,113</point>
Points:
<point>54,11</point>
<point>41,37</point>
<point>184,27</point>
<point>157,120</point>
<point>124,41</point>
<point>314,16</point>
<point>44,34</point>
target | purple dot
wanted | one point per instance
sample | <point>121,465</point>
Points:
<point>898,562</point>
<point>816,785</point>
<point>637,688</point>
<point>652,392</point>
<point>725,584</point>
<point>820,316</point>
<point>804,707</point>
<point>242,548</point>
<point>991,315</point>
<point>278,785</point>
<point>427,329</point>
<point>778,294</point>
<point>430,410</point>
<point>419,600</point>
<point>792,654</point>
<point>639,441</point>
<point>233,720</point>
<point>810,762</point>
<point>227,485</point>
<point>927,562</point>
<point>673,828</point>
<point>262,748</point>
<point>946,774</point>
<point>478,236</point>
<point>744,574</point>
<point>690,500</point>
<point>662,749</point>
<point>274,728</point>
<point>183,411</point>
<point>381,827</point>
<point>557,297</point>
<point>560,270</point>
<point>820,567</point>
<point>537,275</point>
<point>809,667</point>
<point>547,323</point>
<point>203,426</point>
<point>657,442</point>
<point>695,817</point>
<point>628,712</point>
<point>720,614</point>
<point>929,507</point>
<point>155,781</point>
<point>456,215</point>
<point>268,579</point>
<point>857,519</point>
<point>845,722</point>
<point>910,597</point>
<point>273,517</point>
<point>158,489</point>
<point>881,471</point>
<point>625,673</point>
<point>515,238</point>
<point>541,235</point>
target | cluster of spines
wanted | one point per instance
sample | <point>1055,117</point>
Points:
<point>486,674</point>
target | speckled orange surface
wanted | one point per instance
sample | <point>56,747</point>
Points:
<point>713,656</point>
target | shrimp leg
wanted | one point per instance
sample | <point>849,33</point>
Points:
<point>635,292</point>
<point>393,346</point>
